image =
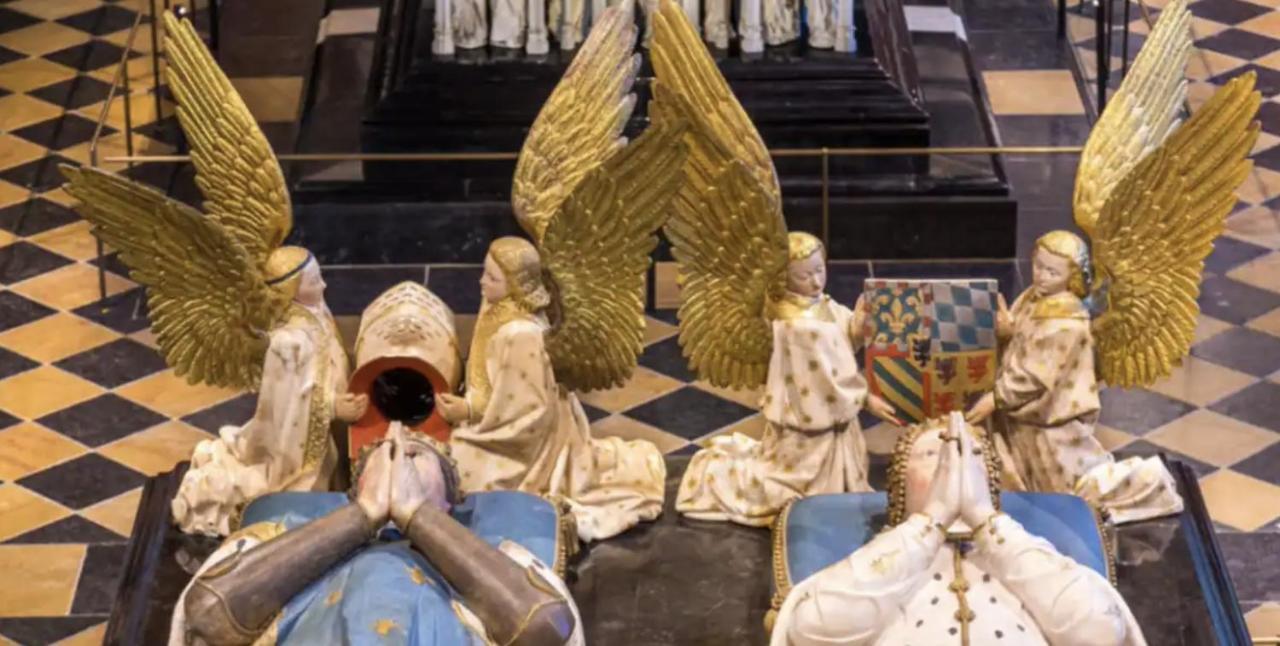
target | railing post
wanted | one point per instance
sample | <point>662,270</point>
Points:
<point>826,199</point>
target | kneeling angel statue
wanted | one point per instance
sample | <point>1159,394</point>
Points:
<point>1152,194</point>
<point>565,312</point>
<point>229,305</point>
<point>754,311</point>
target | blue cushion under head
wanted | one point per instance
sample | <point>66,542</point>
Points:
<point>823,529</point>
<point>495,516</point>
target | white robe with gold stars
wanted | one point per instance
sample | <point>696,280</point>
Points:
<point>287,445</point>
<point>812,441</point>
<point>529,434</point>
<point>1047,406</point>
<point>897,590</point>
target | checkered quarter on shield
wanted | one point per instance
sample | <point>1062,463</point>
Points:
<point>931,344</point>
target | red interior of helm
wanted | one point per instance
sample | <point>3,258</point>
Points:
<point>373,426</point>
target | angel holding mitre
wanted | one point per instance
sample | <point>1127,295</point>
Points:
<point>565,312</point>
<point>754,312</point>
<point>1152,195</point>
<point>229,305</point>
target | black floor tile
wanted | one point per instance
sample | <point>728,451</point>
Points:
<point>89,56</point>
<point>69,129</point>
<point>72,529</point>
<point>125,312</point>
<point>12,363</point>
<point>1139,411</point>
<point>664,356</point>
<point>234,411</point>
<point>671,316</point>
<point>73,94</point>
<point>1227,12</point>
<point>1143,448</point>
<point>114,364</point>
<point>11,20</point>
<point>99,578</point>
<point>1242,349</point>
<point>1263,465</point>
<point>690,413</point>
<point>1229,253</point>
<point>7,420</point>
<point>46,630</point>
<point>159,176</point>
<point>1269,116</point>
<point>1269,158</point>
<point>22,260</point>
<point>164,130</point>
<point>1043,130</point>
<point>16,310</point>
<point>35,216</point>
<point>84,481</point>
<point>1239,42</point>
<point>1258,404</point>
<point>104,20</point>
<point>8,55</point>
<point>113,264</point>
<point>38,174</point>
<point>1234,301</point>
<point>351,289</point>
<point>1018,50</point>
<point>103,419</point>
<point>459,287</point>
<point>594,414</point>
<point>1253,558</point>
<point>1268,82</point>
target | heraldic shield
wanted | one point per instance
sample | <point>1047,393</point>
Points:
<point>931,344</point>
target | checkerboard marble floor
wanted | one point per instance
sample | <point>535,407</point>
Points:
<point>88,409</point>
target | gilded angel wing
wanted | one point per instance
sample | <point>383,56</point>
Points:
<point>207,301</point>
<point>238,174</point>
<point>596,250</point>
<point>580,125</point>
<point>726,230</point>
<point>593,204</point>
<point>1141,115</point>
<point>1157,228</point>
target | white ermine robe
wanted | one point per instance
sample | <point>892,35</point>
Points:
<point>906,585</point>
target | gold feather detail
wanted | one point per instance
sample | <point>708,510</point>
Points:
<point>1157,228</point>
<point>238,174</point>
<point>208,305</point>
<point>726,229</point>
<point>1141,115</point>
<point>593,204</point>
<point>580,125</point>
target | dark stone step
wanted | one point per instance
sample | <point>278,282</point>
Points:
<point>905,226</point>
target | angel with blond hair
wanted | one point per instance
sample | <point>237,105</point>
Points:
<point>754,311</point>
<point>1152,194</point>
<point>229,305</point>
<point>565,312</point>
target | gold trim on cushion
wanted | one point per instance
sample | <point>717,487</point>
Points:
<point>781,571</point>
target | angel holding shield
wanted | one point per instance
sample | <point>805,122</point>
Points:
<point>1152,194</point>
<point>754,311</point>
